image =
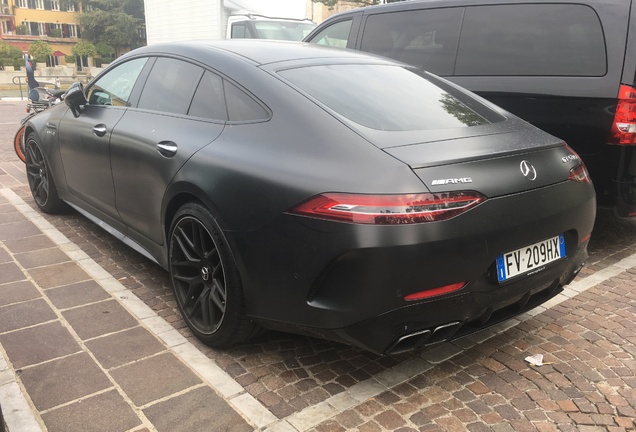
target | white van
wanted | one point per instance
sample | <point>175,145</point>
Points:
<point>251,26</point>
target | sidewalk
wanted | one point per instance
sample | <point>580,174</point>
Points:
<point>91,355</point>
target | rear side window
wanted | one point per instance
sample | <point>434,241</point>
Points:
<point>424,38</point>
<point>209,99</point>
<point>218,99</point>
<point>238,31</point>
<point>335,35</point>
<point>390,98</point>
<point>170,86</point>
<point>541,39</point>
<point>241,107</point>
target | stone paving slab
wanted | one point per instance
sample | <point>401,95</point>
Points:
<point>103,412</point>
<point>45,342</point>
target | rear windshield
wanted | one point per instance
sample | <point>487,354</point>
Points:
<point>386,97</point>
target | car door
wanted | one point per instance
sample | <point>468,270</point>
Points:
<point>181,109</point>
<point>85,140</point>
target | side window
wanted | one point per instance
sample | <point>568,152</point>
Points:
<point>335,35</point>
<point>114,88</point>
<point>209,101</point>
<point>539,40</point>
<point>241,107</point>
<point>170,86</point>
<point>425,38</point>
<point>238,31</point>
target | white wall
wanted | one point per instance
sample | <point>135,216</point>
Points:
<point>174,20</point>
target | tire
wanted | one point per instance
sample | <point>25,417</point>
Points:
<point>18,144</point>
<point>40,178</point>
<point>206,282</point>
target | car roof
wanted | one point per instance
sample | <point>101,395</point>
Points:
<point>257,52</point>
<point>430,4</point>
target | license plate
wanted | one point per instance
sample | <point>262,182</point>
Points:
<point>530,258</point>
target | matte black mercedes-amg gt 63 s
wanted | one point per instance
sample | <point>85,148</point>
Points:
<point>320,191</point>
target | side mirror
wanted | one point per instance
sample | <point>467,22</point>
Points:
<point>75,98</point>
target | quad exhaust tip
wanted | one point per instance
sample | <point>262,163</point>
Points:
<point>422,338</point>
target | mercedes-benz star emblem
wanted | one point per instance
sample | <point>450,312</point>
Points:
<point>528,170</point>
<point>205,273</point>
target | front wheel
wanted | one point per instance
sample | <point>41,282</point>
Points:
<point>206,282</point>
<point>40,178</point>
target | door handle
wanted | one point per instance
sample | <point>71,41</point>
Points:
<point>167,148</point>
<point>99,130</point>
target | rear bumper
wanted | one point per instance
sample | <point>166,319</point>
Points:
<point>348,282</point>
<point>445,319</point>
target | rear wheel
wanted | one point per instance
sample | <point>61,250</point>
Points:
<point>205,279</point>
<point>40,178</point>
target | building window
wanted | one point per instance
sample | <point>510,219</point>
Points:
<point>31,28</point>
<point>22,4</point>
<point>70,7</point>
<point>5,28</point>
<point>41,29</point>
<point>39,4</point>
<point>55,5</point>
<point>72,30</point>
<point>55,30</point>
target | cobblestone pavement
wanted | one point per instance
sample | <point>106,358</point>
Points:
<point>480,382</point>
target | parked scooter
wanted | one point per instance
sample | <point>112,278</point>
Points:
<point>47,98</point>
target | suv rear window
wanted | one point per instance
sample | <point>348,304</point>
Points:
<point>403,99</point>
<point>524,39</point>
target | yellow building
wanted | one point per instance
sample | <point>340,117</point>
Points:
<point>24,21</point>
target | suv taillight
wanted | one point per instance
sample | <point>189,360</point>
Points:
<point>388,209</point>
<point>624,127</point>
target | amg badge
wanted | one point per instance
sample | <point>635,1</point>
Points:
<point>452,181</point>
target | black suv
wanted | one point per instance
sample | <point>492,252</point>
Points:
<point>567,67</point>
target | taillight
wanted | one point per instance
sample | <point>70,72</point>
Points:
<point>435,291</point>
<point>579,174</point>
<point>388,209</point>
<point>624,127</point>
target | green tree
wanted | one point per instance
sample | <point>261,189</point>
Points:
<point>117,23</point>
<point>10,55</point>
<point>39,50</point>
<point>84,49</point>
<point>104,50</point>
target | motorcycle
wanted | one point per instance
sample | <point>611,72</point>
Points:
<point>47,98</point>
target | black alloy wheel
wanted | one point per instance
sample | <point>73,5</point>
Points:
<point>40,179</point>
<point>205,280</point>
